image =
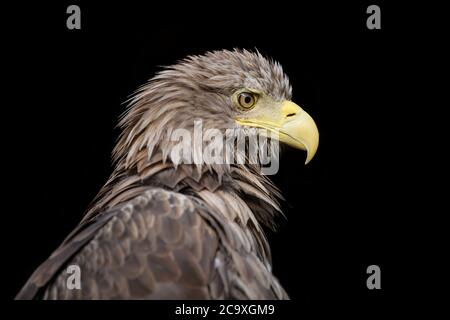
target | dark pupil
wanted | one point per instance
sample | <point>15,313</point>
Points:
<point>247,99</point>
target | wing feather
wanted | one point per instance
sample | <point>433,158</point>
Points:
<point>159,245</point>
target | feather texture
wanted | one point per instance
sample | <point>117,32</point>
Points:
<point>161,230</point>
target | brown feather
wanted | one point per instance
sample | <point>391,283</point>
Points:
<point>160,230</point>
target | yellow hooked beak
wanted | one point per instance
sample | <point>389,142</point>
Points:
<point>293,125</point>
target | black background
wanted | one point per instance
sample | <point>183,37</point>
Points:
<point>351,207</point>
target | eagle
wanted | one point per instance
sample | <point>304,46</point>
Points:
<point>163,228</point>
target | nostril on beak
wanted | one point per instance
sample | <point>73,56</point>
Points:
<point>290,115</point>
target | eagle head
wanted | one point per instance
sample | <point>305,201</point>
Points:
<point>222,90</point>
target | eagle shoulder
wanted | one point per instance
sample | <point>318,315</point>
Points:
<point>159,245</point>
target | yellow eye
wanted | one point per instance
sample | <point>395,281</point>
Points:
<point>246,100</point>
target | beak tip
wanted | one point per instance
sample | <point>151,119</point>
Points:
<point>310,154</point>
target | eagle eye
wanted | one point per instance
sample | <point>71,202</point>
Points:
<point>246,100</point>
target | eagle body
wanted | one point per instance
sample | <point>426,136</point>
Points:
<point>165,245</point>
<point>160,229</point>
